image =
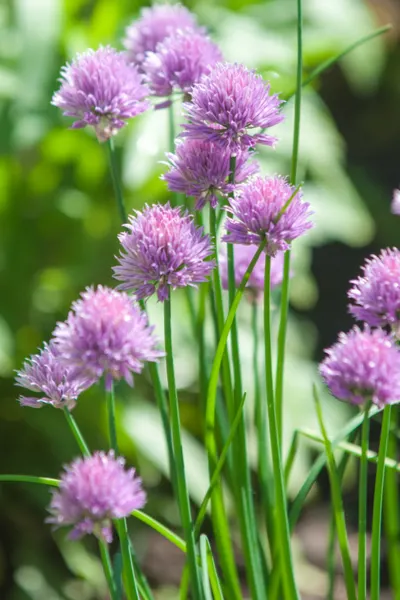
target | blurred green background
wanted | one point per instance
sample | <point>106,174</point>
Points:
<point>58,234</point>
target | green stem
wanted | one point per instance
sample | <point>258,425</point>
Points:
<point>218,511</point>
<point>30,479</point>
<point>243,483</point>
<point>76,433</point>
<point>112,160</point>
<point>282,524</point>
<point>319,464</point>
<point>337,504</point>
<point>164,412</point>
<point>161,529</point>
<point>218,469</point>
<point>183,496</point>
<point>331,61</point>
<point>260,418</point>
<point>377,508</point>
<point>112,429</point>
<point>362,509</point>
<point>286,268</point>
<point>108,570</point>
<point>391,513</point>
<point>129,577</point>
<point>121,524</point>
<point>217,291</point>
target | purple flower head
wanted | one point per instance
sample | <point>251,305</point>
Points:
<point>363,366</point>
<point>243,257</point>
<point>100,88</point>
<point>376,295</point>
<point>153,26</point>
<point>201,169</point>
<point>228,104</point>
<point>162,248</point>
<point>106,333</point>
<point>256,214</point>
<point>179,62</point>
<point>47,374</point>
<point>395,206</point>
<point>93,491</point>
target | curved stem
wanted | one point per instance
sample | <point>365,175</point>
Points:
<point>112,160</point>
<point>121,524</point>
<point>183,496</point>
<point>76,433</point>
<point>30,479</point>
<point>286,268</point>
<point>108,570</point>
<point>377,509</point>
<point>112,428</point>
<point>282,525</point>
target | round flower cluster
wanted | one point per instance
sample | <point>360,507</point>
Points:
<point>100,88</point>
<point>364,366</point>
<point>179,62</point>
<point>106,333</point>
<point>93,491</point>
<point>154,25</point>
<point>162,249</point>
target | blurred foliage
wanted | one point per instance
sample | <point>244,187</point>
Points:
<point>59,228</point>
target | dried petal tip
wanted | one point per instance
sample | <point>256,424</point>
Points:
<point>93,491</point>
<point>162,249</point>
<point>153,26</point>
<point>100,88</point>
<point>243,257</point>
<point>47,374</point>
<point>179,62</point>
<point>395,206</point>
<point>201,169</point>
<point>107,334</point>
<point>363,366</point>
<point>258,212</point>
<point>376,294</point>
<point>228,104</point>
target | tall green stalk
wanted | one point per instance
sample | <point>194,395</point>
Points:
<point>183,496</point>
<point>260,419</point>
<point>377,508</point>
<point>391,511</point>
<point>129,577</point>
<point>217,291</point>
<point>112,160</point>
<point>280,364</point>
<point>337,504</point>
<point>282,523</point>
<point>244,495</point>
<point>362,509</point>
<point>218,509</point>
<point>83,447</point>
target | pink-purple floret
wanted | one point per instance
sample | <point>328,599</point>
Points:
<point>201,169</point>
<point>375,295</point>
<point>162,249</point>
<point>45,373</point>
<point>228,105</point>
<point>154,25</point>
<point>363,366</point>
<point>101,89</point>
<point>106,334</point>
<point>179,62</point>
<point>258,212</point>
<point>93,491</point>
